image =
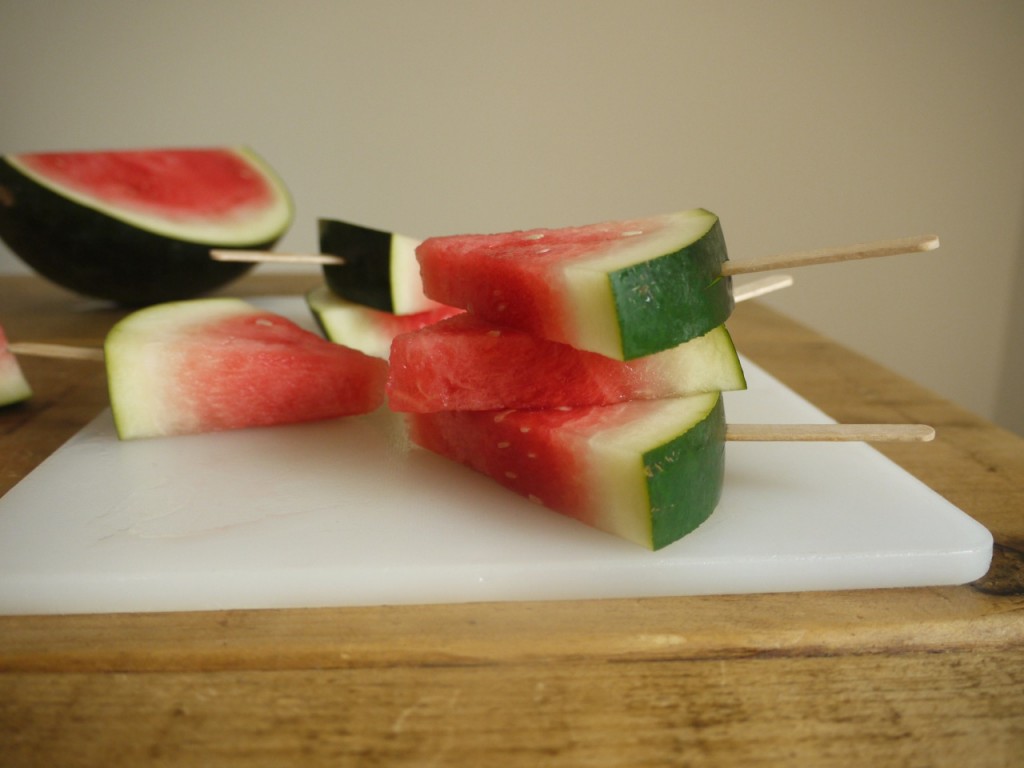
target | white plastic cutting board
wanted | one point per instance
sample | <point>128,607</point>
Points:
<point>345,513</point>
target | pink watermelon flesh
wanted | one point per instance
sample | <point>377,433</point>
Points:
<point>178,184</point>
<point>467,364</point>
<point>217,364</point>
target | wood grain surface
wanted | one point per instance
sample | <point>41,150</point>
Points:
<point>883,677</point>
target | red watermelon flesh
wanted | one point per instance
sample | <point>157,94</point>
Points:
<point>464,363</point>
<point>190,187</point>
<point>13,386</point>
<point>208,365</point>
<point>649,471</point>
<point>624,289</point>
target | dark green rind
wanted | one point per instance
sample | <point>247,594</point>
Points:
<point>673,298</point>
<point>685,477</point>
<point>91,253</point>
<point>365,277</point>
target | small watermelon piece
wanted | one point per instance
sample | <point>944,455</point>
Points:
<point>624,289</point>
<point>136,226</point>
<point>465,363</point>
<point>380,269</point>
<point>14,387</point>
<point>206,365</point>
<point>649,471</point>
<point>364,328</point>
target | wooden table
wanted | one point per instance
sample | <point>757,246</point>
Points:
<point>876,677</point>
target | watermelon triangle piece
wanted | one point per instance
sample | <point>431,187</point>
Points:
<point>207,365</point>
<point>624,289</point>
<point>465,363</point>
<point>649,471</point>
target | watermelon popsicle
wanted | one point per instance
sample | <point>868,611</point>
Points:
<point>623,289</point>
<point>648,471</point>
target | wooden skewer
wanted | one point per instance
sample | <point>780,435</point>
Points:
<point>855,252</point>
<point>276,258</point>
<point>39,349</point>
<point>830,433</point>
<point>828,255</point>
<point>760,287</point>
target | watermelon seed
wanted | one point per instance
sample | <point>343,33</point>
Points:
<point>501,416</point>
<point>633,233</point>
<point>504,444</point>
<point>534,236</point>
<point>511,475</point>
<point>494,332</point>
<point>535,499</point>
<point>524,430</point>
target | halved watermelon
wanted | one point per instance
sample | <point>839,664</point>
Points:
<point>207,365</point>
<point>650,471</point>
<point>624,289</point>
<point>13,386</point>
<point>364,328</point>
<point>380,269</point>
<point>465,363</point>
<point>136,226</point>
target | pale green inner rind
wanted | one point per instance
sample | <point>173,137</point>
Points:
<point>625,469</point>
<point>14,388</point>
<point>347,323</point>
<point>262,225</point>
<point>652,291</point>
<point>406,286</point>
<point>705,364</point>
<point>142,367</point>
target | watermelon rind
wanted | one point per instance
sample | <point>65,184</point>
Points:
<point>130,257</point>
<point>369,330</point>
<point>14,387</point>
<point>380,269</point>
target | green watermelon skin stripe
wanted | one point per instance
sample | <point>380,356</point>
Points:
<point>647,471</point>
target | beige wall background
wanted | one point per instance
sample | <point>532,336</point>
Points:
<point>802,124</point>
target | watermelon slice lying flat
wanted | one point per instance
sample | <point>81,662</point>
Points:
<point>379,270</point>
<point>364,328</point>
<point>13,386</point>
<point>624,289</point>
<point>136,226</point>
<point>650,471</point>
<point>467,364</point>
<point>215,364</point>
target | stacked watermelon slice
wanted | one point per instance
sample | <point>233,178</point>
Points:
<point>586,371</point>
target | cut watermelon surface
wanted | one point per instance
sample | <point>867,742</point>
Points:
<point>208,365</point>
<point>465,363</point>
<point>649,471</point>
<point>364,328</point>
<point>14,388</point>
<point>623,289</point>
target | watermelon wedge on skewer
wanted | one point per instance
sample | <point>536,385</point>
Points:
<point>649,471</point>
<point>208,365</point>
<point>624,289</point>
<point>464,363</point>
